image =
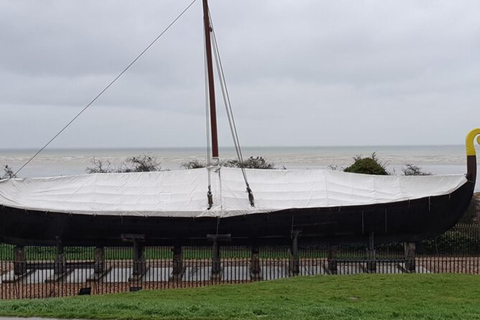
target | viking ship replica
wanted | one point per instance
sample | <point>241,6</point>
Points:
<point>249,207</point>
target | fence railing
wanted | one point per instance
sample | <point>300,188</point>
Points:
<point>37,272</point>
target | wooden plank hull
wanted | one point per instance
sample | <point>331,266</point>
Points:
<point>410,221</point>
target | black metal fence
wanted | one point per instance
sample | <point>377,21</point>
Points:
<point>37,272</point>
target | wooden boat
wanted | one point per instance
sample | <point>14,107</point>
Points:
<point>190,207</point>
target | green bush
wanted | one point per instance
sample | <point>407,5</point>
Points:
<point>194,164</point>
<point>367,165</point>
<point>250,163</point>
<point>412,170</point>
<point>455,241</point>
<point>141,163</point>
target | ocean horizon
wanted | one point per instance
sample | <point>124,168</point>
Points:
<point>434,159</point>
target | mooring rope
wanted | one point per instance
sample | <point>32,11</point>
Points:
<point>106,88</point>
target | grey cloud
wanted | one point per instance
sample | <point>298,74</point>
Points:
<point>299,72</point>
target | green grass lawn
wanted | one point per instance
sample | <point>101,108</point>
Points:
<point>403,296</point>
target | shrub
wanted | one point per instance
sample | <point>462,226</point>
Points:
<point>8,173</point>
<point>250,163</point>
<point>194,164</point>
<point>141,163</point>
<point>411,170</point>
<point>455,241</point>
<point>367,165</point>
<point>100,166</point>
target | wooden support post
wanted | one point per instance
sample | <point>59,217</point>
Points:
<point>371,255</point>
<point>139,263</point>
<point>20,270</point>
<point>178,268</point>
<point>99,265</point>
<point>409,256</point>
<point>20,262</point>
<point>216,262</point>
<point>255,269</point>
<point>294,265</point>
<point>332,263</point>
<point>60,266</point>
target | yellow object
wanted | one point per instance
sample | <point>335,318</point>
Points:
<point>470,139</point>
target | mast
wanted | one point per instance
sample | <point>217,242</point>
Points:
<point>211,80</point>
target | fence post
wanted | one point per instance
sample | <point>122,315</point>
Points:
<point>409,256</point>
<point>332,263</point>
<point>255,269</point>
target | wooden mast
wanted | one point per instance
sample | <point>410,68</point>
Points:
<point>211,84</point>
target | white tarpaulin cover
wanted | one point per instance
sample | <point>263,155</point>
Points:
<point>183,193</point>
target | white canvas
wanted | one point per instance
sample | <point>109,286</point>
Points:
<point>183,193</point>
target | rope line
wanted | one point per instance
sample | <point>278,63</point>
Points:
<point>226,99</point>
<point>106,88</point>
<point>229,111</point>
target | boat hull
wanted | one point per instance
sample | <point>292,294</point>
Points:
<point>405,221</point>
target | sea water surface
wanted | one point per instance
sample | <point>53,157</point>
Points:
<point>440,159</point>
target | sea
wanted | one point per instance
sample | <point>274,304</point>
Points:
<point>434,159</point>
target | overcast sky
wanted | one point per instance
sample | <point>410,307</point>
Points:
<point>299,72</point>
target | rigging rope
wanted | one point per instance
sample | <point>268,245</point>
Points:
<point>107,87</point>
<point>229,110</point>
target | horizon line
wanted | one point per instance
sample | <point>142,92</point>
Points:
<point>232,147</point>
